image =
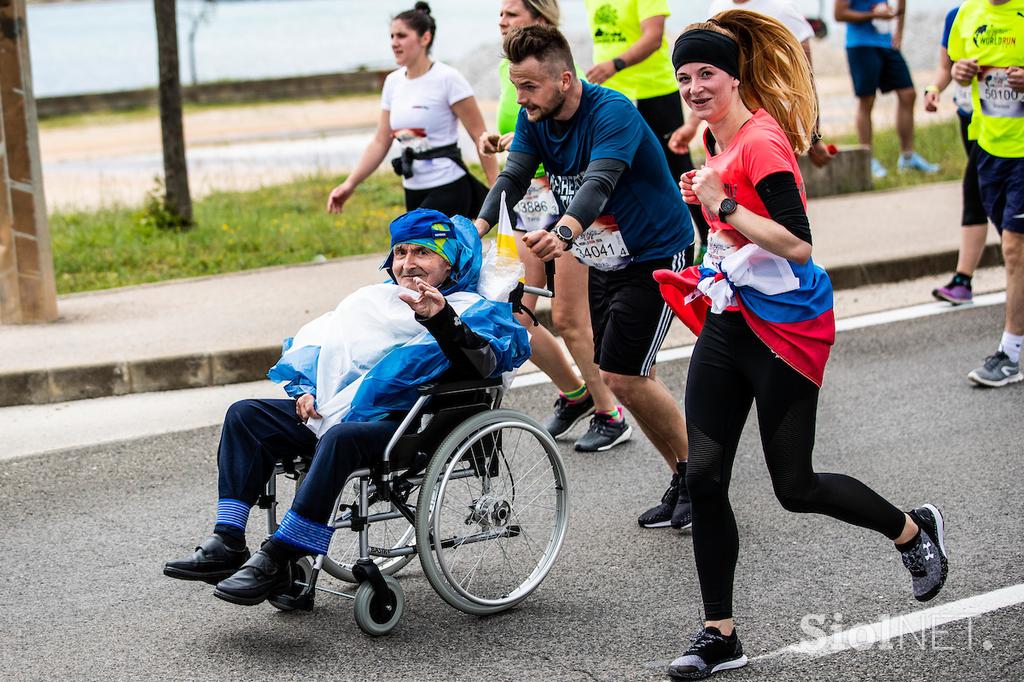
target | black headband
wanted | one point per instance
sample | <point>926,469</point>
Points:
<point>707,47</point>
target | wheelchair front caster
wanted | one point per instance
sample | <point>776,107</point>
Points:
<point>298,597</point>
<point>378,613</point>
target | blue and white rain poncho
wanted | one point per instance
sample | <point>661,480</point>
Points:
<point>365,359</point>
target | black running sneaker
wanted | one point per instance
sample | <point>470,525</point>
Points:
<point>603,434</point>
<point>710,652</point>
<point>925,555</point>
<point>661,516</point>
<point>568,415</point>
<point>682,516</point>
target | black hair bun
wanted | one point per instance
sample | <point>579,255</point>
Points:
<point>422,7</point>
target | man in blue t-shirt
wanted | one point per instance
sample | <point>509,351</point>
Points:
<point>874,34</point>
<point>621,214</point>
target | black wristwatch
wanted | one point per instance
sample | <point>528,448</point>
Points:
<point>618,63</point>
<point>564,233</point>
<point>726,208</point>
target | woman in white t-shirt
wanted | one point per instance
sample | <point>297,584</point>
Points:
<point>422,104</point>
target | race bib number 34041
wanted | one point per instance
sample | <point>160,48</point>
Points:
<point>998,99</point>
<point>601,246</point>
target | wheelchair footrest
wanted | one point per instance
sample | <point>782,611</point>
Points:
<point>300,602</point>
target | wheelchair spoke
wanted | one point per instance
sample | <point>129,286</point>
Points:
<point>513,488</point>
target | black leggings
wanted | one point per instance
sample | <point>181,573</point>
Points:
<point>664,114</point>
<point>731,368</point>
<point>455,198</point>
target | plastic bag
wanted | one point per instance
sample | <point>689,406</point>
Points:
<point>502,268</point>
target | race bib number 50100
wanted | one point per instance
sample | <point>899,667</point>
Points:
<point>998,99</point>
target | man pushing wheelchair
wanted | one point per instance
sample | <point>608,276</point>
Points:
<point>351,375</point>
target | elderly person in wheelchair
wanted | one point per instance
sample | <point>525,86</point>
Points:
<point>352,375</point>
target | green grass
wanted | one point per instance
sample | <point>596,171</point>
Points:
<point>286,224</point>
<point>275,225</point>
<point>938,143</point>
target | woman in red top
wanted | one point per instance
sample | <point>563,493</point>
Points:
<point>770,325</point>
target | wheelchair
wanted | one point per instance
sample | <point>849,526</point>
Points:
<point>478,492</point>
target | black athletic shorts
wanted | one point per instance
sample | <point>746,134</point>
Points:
<point>1001,181</point>
<point>455,198</point>
<point>629,317</point>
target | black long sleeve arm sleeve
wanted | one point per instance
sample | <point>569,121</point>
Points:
<point>514,180</point>
<point>599,181</point>
<point>782,198</point>
<point>470,354</point>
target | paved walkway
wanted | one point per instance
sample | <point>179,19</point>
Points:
<point>227,329</point>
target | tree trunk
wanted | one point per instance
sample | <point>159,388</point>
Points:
<point>178,199</point>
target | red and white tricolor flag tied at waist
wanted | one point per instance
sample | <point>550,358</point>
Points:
<point>788,305</point>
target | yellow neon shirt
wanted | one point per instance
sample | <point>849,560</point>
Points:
<point>994,35</point>
<point>614,27</point>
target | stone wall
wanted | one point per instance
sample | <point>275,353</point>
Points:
<point>850,171</point>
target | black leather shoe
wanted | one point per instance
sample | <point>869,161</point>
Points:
<point>212,561</point>
<point>258,578</point>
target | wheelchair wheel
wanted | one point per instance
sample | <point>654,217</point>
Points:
<point>378,614</point>
<point>391,534</point>
<point>497,494</point>
<point>302,572</point>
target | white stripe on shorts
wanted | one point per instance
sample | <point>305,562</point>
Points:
<point>678,263</point>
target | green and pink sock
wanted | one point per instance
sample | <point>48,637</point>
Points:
<point>576,396</point>
<point>613,415</point>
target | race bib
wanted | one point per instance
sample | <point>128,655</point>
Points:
<point>601,246</point>
<point>721,243</point>
<point>538,209</point>
<point>412,138</point>
<point>998,99</point>
<point>962,98</point>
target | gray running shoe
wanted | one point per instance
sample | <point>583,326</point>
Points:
<point>926,556</point>
<point>997,371</point>
<point>710,652</point>
<point>568,414</point>
<point>603,434</point>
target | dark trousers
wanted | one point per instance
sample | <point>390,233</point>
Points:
<point>730,369</point>
<point>259,433</point>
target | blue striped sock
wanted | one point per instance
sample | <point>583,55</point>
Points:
<point>232,513</point>
<point>300,532</point>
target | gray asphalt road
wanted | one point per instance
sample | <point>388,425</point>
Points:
<point>87,531</point>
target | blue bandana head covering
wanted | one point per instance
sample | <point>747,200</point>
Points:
<point>455,240</point>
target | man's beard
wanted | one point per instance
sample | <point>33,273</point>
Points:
<point>553,111</point>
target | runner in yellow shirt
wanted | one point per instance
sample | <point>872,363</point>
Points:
<point>986,45</point>
<point>631,56</point>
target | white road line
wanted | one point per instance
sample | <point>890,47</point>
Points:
<point>916,311</point>
<point>846,324</point>
<point>869,635</point>
<point>37,429</point>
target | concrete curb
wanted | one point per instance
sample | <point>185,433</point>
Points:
<point>59,384</point>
